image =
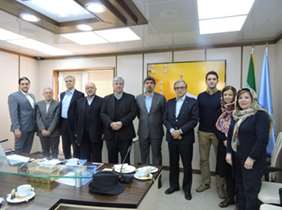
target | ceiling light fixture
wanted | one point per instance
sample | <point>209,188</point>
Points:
<point>84,27</point>
<point>85,38</point>
<point>118,35</point>
<point>60,10</point>
<point>6,35</point>
<point>220,16</point>
<point>221,25</point>
<point>29,17</point>
<point>96,7</point>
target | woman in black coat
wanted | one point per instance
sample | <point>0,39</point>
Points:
<point>223,169</point>
<point>246,148</point>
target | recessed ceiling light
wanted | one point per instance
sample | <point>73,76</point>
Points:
<point>29,17</point>
<point>6,35</point>
<point>223,8</point>
<point>85,38</point>
<point>96,7</point>
<point>39,46</point>
<point>220,16</point>
<point>60,10</point>
<point>220,25</point>
<point>118,35</point>
<point>84,27</point>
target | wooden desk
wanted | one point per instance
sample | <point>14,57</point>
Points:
<point>137,195</point>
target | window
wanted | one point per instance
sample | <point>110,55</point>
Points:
<point>101,77</point>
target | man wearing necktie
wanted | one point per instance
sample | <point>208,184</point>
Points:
<point>151,107</point>
<point>89,127</point>
<point>47,119</point>
<point>22,114</point>
<point>181,116</point>
<point>68,117</point>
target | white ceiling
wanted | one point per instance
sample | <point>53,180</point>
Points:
<point>172,24</point>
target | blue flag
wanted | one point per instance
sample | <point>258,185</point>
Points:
<point>265,97</point>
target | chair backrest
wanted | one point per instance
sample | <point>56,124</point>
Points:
<point>276,150</point>
<point>276,159</point>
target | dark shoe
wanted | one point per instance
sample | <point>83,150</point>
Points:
<point>202,188</point>
<point>171,190</point>
<point>227,202</point>
<point>160,184</point>
<point>188,195</point>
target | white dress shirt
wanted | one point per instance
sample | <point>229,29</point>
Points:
<point>48,103</point>
<point>179,103</point>
<point>66,103</point>
<point>29,98</point>
<point>90,99</point>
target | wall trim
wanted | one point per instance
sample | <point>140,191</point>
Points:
<point>196,47</point>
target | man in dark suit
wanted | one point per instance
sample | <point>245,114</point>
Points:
<point>118,112</point>
<point>89,125</point>
<point>68,117</point>
<point>181,116</point>
<point>47,119</point>
<point>151,106</point>
<point>22,114</point>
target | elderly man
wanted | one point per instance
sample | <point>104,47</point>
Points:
<point>181,117</point>
<point>89,125</point>
<point>22,114</point>
<point>47,119</point>
<point>68,117</point>
<point>118,112</point>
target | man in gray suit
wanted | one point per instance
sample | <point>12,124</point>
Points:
<point>151,107</point>
<point>47,119</point>
<point>22,114</point>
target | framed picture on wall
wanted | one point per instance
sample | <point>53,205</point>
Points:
<point>193,73</point>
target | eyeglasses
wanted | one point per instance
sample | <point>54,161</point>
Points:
<point>179,88</point>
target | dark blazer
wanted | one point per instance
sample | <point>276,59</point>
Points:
<point>253,136</point>
<point>186,121</point>
<point>128,111</point>
<point>48,120</point>
<point>151,123</point>
<point>72,108</point>
<point>95,127</point>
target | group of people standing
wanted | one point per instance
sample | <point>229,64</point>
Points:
<point>231,121</point>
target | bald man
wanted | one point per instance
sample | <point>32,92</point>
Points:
<point>89,125</point>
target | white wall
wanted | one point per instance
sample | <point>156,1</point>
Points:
<point>9,79</point>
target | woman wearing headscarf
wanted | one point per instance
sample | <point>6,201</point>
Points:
<point>247,141</point>
<point>223,169</point>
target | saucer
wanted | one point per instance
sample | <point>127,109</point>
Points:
<point>18,200</point>
<point>143,178</point>
<point>127,169</point>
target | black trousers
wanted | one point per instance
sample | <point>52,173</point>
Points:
<point>50,146</point>
<point>118,146</point>
<point>68,140</point>
<point>223,169</point>
<point>184,150</point>
<point>155,145</point>
<point>248,183</point>
<point>91,149</point>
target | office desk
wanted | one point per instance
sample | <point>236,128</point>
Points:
<point>137,195</point>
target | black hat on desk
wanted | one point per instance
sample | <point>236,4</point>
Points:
<point>106,183</point>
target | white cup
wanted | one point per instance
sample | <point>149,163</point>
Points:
<point>24,190</point>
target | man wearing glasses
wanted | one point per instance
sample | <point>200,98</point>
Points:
<point>181,116</point>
